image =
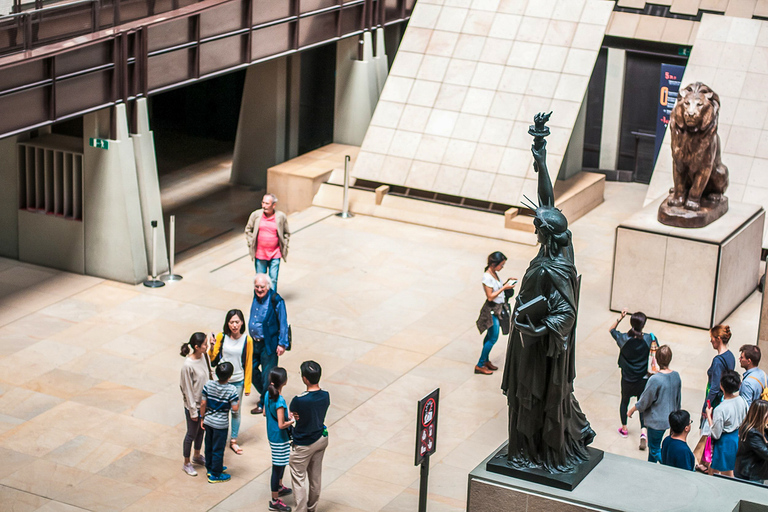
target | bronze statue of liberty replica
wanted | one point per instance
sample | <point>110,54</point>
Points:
<point>548,433</point>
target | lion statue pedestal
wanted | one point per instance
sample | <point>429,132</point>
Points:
<point>700,177</point>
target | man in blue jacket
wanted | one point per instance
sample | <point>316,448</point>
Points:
<point>268,326</point>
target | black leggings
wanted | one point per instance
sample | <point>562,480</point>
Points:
<point>194,435</point>
<point>628,390</point>
<point>277,475</point>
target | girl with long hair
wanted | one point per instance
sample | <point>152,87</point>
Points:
<point>279,420</point>
<point>752,456</point>
<point>194,374</point>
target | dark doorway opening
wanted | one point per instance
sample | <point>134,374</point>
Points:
<point>195,129</point>
<point>594,115</point>
<point>196,122</point>
<point>316,97</point>
<point>639,112</point>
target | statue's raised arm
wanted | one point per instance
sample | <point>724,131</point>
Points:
<point>539,130</point>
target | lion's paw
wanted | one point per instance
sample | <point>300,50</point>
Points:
<point>715,198</point>
<point>692,205</point>
<point>675,201</point>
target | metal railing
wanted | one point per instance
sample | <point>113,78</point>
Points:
<point>26,30</point>
<point>213,37</point>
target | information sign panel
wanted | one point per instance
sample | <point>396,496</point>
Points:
<point>426,426</point>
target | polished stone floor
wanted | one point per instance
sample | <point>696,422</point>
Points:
<point>90,410</point>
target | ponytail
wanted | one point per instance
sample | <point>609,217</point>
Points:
<point>195,341</point>
<point>637,321</point>
<point>277,378</point>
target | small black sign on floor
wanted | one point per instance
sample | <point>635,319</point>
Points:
<point>426,440</point>
<point>426,426</point>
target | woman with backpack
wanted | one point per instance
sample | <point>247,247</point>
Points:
<point>719,336</point>
<point>634,351</point>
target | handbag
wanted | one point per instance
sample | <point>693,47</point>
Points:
<point>505,318</point>
<point>707,455</point>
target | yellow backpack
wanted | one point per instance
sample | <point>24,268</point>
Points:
<point>764,394</point>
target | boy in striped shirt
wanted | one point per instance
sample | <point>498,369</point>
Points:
<point>218,398</point>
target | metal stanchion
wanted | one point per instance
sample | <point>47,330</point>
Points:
<point>154,282</point>
<point>345,213</point>
<point>170,276</point>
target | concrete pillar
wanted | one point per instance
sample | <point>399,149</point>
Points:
<point>614,96</point>
<point>293,68</point>
<point>382,67</point>
<point>114,236</point>
<point>9,199</point>
<point>357,91</point>
<point>573,160</point>
<point>261,131</point>
<point>149,186</point>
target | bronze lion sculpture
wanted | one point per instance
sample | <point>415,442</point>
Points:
<point>700,178</point>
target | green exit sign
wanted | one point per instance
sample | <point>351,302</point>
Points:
<point>99,143</point>
<point>684,52</point>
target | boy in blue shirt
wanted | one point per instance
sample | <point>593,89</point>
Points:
<point>674,450</point>
<point>218,398</point>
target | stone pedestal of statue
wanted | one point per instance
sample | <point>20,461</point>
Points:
<point>617,483</point>
<point>694,277</point>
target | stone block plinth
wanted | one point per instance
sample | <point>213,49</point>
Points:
<point>617,484</point>
<point>693,277</point>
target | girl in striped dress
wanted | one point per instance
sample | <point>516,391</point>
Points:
<point>278,422</point>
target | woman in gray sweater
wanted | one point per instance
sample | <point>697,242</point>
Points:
<point>661,396</point>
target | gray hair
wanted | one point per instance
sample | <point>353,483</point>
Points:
<point>273,196</point>
<point>265,277</point>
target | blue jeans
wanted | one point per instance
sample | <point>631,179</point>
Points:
<point>240,387</point>
<point>491,337</point>
<point>262,365</point>
<point>215,442</point>
<point>654,444</point>
<point>271,267</point>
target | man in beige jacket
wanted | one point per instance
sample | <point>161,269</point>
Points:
<point>267,235</point>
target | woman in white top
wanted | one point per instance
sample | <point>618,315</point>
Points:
<point>491,310</point>
<point>233,346</point>
<point>194,374</point>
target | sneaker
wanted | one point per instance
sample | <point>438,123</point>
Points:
<point>284,491</point>
<point>198,460</point>
<point>218,479</point>
<point>188,469</point>
<point>643,442</point>
<point>279,505</point>
<point>623,432</point>
<point>223,470</point>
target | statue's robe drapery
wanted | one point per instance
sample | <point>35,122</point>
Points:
<point>546,425</point>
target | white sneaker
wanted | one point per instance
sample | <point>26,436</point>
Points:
<point>188,469</point>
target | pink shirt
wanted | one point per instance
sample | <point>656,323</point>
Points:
<point>267,243</point>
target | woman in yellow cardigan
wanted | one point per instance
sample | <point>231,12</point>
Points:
<point>235,347</point>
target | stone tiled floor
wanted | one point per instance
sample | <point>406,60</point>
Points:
<point>90,411</point>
